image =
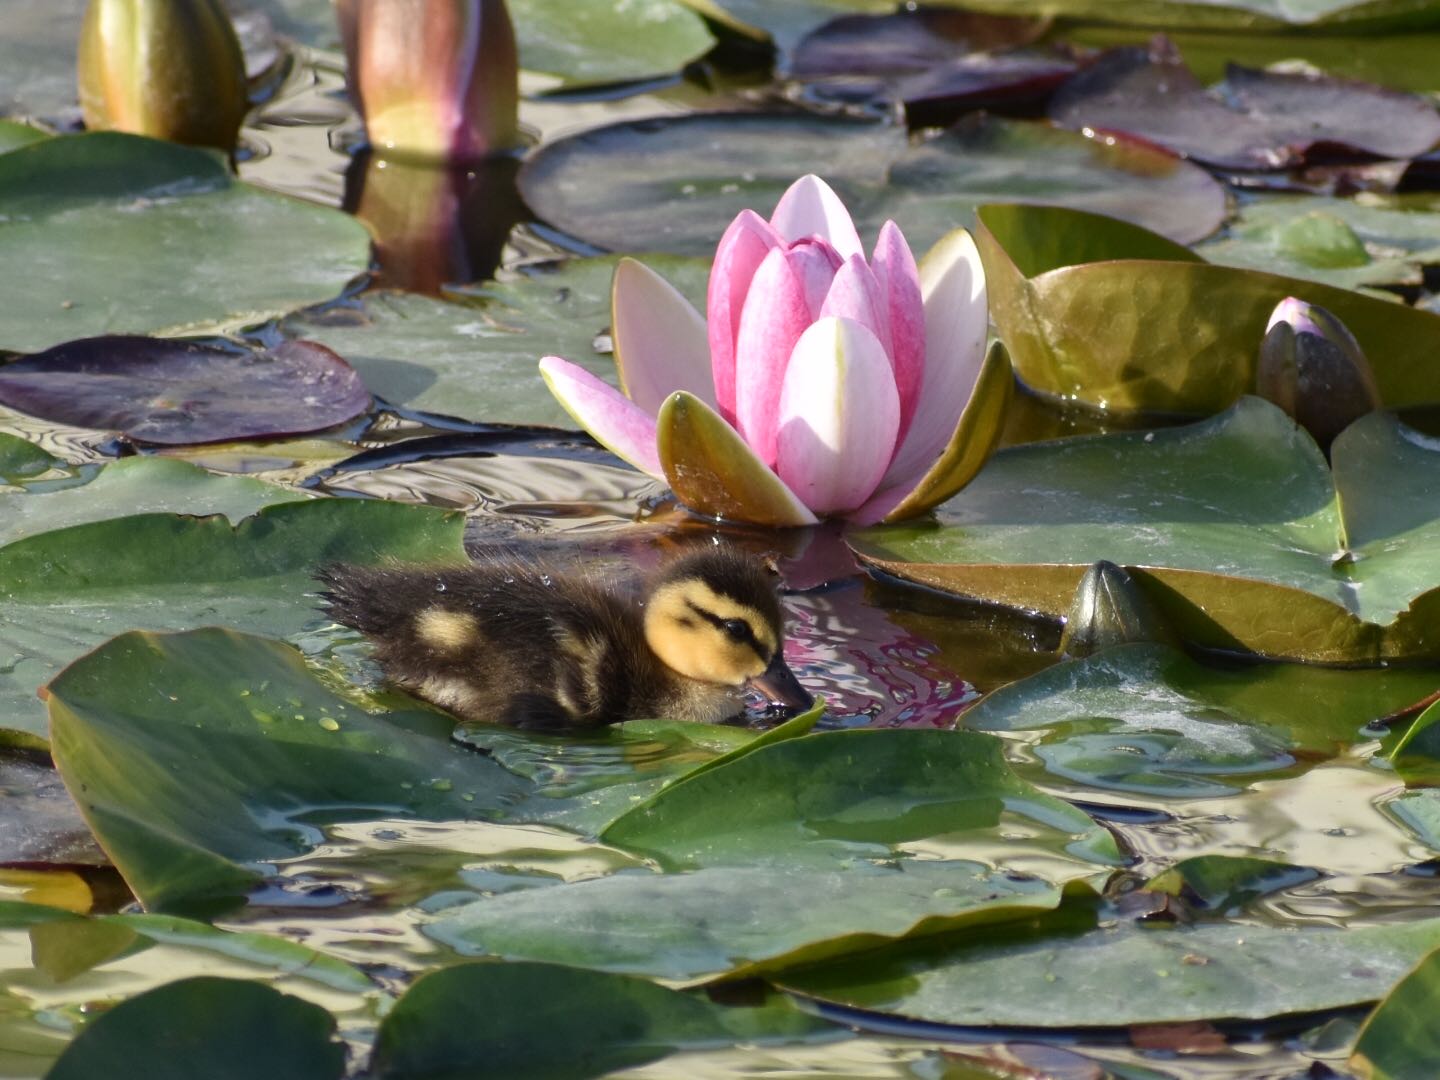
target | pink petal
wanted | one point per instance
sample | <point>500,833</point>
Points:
<point>660,340</point>
<point>775,315</point>
<point>814,263</point>
<point>952,283</point>
<point>743,247</point>
<point>879,504</point>
<point>616,422</point>
<point>810,208</point>
<point>899,279</point>
<point>855,294</point>
<point>839,412</point>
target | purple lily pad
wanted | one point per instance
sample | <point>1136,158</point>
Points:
<point>877,59</point>
<point>1255,120</point>
<point>904,43</point>
<point>173,392</point>
<point>1012,83</point>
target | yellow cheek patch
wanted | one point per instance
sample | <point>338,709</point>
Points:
<point>699,594</point>
<point>691,645</point>
<point>446,631</point>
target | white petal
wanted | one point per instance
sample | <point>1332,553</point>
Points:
<point>810,208</point>
<point>660,341</point>
<point>839,412</point>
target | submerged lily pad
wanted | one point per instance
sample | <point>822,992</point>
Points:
<point>1234,527</point>
<point>1342,242</point>
<point>111,233</point>
<point>227,1029</point>
<point>178,392</point>
<point>651,185</point>
<point>1148,719</point>
<point>1257,120</point>
<point>1128,975</point>
<point>1102,312</point>
<point>68,589</point>
<point>476,359</point>
<point>499,1021</point>
<point>239,760</point>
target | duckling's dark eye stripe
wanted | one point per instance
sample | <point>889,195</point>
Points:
<point>725,626</point>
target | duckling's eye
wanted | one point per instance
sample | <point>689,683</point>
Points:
<point>736,629</point>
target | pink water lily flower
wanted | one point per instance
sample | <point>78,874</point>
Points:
<point>824,384</point>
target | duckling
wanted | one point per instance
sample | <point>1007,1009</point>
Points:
<point>513,642</point>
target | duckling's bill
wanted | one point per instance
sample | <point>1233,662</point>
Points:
<point>780,686</point>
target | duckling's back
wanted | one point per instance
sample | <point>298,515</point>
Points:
<point>508,641</point>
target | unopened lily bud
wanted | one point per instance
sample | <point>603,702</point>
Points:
<point>1313,368</point>
<point>1111,609</point>
<point>171,69</point>
<point>433,79</point>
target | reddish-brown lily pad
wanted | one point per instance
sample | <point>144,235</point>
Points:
<point>176,392</point>
<point>1254,120</point>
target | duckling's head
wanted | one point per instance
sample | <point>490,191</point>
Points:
<point>714,616</point>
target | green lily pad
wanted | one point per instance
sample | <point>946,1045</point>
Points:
<point>1342,242</point>
<point>1127,975</point>
<point>599,41</point>
<point>246,752</point>
<point>871,827</point>
<point>802,802</point>
<point>1101,312</point>
<point>40,1011</point>
<point>1400,61</point>
<point>1418,813</point>
<point>14,135</point>
<point>22,460</point>
<point>94,222</point>
<point>675,183</point>
<point>785,24</point>
<point>477,359</point>
<point>1148,719</point>
<point>134,485</point>
<point>1398,1041</point>
<point>67,589</point>
<point>1416,754</point>
<point>736,920</point>
<point>227,1029</point>
<point>1234,527</point>
<point>583,782</point>
<point>1222,882</point>
<point>63,945</point>
<point>1228,14</point>
<point>500,1020</point>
